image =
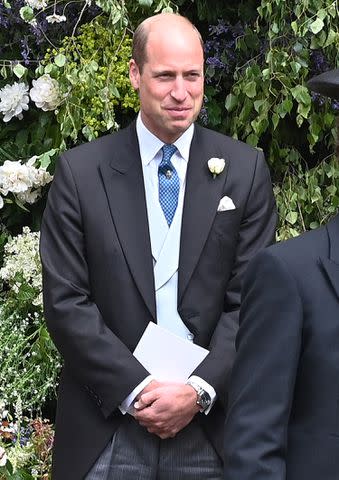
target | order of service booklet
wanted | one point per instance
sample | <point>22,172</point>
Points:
<point>166,356</point>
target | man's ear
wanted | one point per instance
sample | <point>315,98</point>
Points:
<point>134,74</point>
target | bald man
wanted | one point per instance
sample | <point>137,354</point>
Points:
<point>139,229</point>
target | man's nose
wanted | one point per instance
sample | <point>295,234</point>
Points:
<point>179,91</point>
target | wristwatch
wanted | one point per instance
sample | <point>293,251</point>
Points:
<point>203,398</point>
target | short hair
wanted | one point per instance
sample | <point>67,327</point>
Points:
<point>140,38</point>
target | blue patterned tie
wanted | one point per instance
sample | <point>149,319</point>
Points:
<point>168,183</point>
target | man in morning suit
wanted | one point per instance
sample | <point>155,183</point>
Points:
<point>283,418</point>
<point>137,229</point>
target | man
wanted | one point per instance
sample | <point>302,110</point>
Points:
<point>117,254</point>
<point>283,419</point>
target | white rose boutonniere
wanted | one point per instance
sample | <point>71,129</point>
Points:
<point>216,166</point>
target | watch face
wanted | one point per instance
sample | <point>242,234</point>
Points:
<point>204,400</point>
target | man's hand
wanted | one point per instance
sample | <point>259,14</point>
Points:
<point>165,408</point>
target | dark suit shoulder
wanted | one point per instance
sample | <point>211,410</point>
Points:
<point>223,141</point>
<point>98,150</point>
<point>302,253</point>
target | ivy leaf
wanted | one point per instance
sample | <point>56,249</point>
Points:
<point>331,38</point>
<point>60,60</point>
<point>294,27</point>
<point>250,89</point>
<point>19,70</point>
<point>145,3</point>
<point>231,102</point>
<point>292,217</point>
<point>300,93</point>
<point>316,26</point>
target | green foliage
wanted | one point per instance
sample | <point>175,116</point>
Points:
<point>92,72</point>
<point>307,199</point>
<point>269,97</point>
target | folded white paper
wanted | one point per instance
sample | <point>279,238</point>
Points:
<point>166,356</point>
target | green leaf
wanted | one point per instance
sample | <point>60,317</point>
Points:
<point>231,102</point>
<point>19,70</point>
<point>3,72</point>
<point>316,26</point>
<point>294,27</point>
<point>250,89</point>
<point>145,3</point>
<point>332,37</point>
<point>48,68</point>
<point>26,13</point>
<point>300,93</point>
<point>275,120</point>
<point>292,217</point>
<point>60,60</point>
<point>295,67</point>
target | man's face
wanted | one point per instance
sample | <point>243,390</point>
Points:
<point>171,84</point>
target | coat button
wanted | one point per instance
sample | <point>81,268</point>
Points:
<point>190,337</point>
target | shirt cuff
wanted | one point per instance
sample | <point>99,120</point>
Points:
<point>126,404</point>
<point>208,388</point>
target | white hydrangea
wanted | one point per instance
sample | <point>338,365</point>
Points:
<point>45,93</point>
<point>21,256</point>
<point>13,100</point>
<point>37,4</point>
<point>23,180</point>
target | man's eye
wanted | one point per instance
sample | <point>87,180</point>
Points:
<point>193,75</point>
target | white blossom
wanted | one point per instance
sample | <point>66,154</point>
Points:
<point>13,100</point>
<point>22,257</point>
<point>23,180</point>
<point>3,457</point>
<point>1,202</point>
<point>55,18</point>
<point>216,165</point>
<point>15,177</point>
<point>45,93</point>
<point>38,4</point>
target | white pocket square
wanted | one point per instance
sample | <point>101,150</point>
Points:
<point>226,203</point>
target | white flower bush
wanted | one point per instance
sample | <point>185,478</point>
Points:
<point>29,363</point>
<point>45,92</point>
<point>13,100</point>
<point>22,257</point>
<point>23,180</point>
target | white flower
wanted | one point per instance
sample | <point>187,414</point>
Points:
<point>216,166</point>
<point>45,92</point>
<point>55,18</point>
<point>38,4</point>
<point>1,202</point>
<point>14,177</point>
<point>13,100</point>
<point>3,457</point>
<point>23,180</point>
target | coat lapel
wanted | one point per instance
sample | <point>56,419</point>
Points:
<point>123,181</point>
<point>331,264</point>
<point>202,196</point>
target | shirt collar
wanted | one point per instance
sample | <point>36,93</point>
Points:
<point>150,145</point>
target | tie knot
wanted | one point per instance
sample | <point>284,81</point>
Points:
<point>167,152</point>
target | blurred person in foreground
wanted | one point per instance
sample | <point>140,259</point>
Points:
<point>283,418</point>
<point>137,229</point>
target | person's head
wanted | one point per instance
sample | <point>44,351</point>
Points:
<point>167,70</point>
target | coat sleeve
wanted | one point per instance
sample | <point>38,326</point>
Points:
<point>263,377</point>
<point>97,360</point>
<point>257,230</point>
